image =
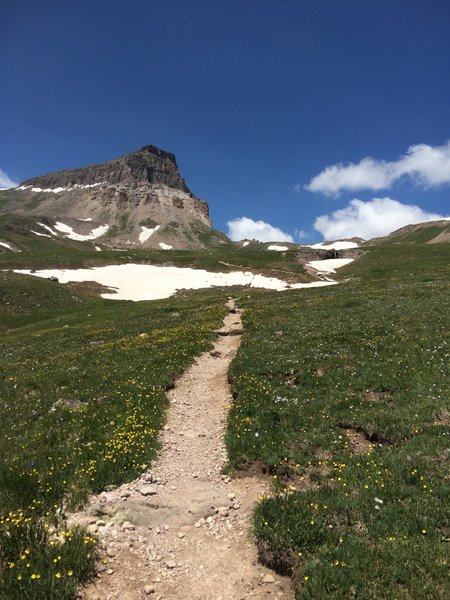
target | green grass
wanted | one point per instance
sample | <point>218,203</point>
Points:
<point>207,236</point>
<point>13,199</point>
<point>341,398</point>
<point>38,252</point>
<point>26,299</point>
<point>319,374</point>
<point>82,400</point>
<point>43,560</point>
<point>35,250</point>
<point>148,223</point>
<point>419,234</point>
<point>401,266</point>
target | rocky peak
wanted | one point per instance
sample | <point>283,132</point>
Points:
<point>136,200</point>
<point>148,166</point>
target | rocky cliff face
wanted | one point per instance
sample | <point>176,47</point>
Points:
<point>139,199</point>
<point>147,166</point>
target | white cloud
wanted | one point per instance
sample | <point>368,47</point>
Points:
<point>429,166</point>
<point>426,165</point>
<point>6,182</point>
<point>301,234</point>
<point>367,220</point>
<point>244,228</point>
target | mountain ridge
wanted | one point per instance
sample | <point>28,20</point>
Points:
<point>428,232</point>
<point>138,199</point>
<point>149,164</point>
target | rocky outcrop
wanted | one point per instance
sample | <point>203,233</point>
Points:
<point>149,165</point>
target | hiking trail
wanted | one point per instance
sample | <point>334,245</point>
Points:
<point>183,529</point>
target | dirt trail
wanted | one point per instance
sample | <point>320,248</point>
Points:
<point>182,531</point>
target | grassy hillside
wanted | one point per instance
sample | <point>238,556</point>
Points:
<point>29,248</point>
<point>185,231</point>
<point>82,399</point>
<point>422,233</point>
<point>14,201</point>
<point>44,252</point>
<point>341,397</point>
<point>27,299</point>
<point>400,265</point>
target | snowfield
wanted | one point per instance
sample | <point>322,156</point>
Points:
<point>72,235</point>
<point>277,248</point>
<point>150,282</point>
<point>344,245</point>
<point>329,265</point>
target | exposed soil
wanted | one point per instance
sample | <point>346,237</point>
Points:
<point>182,530</point>
<point>359,444</point>
<point>377,395</point>
<point>375,437</point>
<point>443,418</point>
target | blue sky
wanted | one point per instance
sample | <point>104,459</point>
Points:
<point>273,108</point>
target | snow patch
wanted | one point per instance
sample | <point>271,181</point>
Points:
<point>85,220</point>
<point>344,245</point>
<point>98,248</point>
<point>47,228</point>
<point>150,282</point>
<point>277,248</point>
<point>40,234</point>
<point>57,190</point>
<point>329,265</point>
<point>53,190</point>
<point>5,245</point>
<point>245,244</point>
<point>147,232</point>
<point>165,246</point>
<point>86,186</point>
<point>72,235</point>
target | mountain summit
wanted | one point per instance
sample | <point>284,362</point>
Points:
<point>139,199</point>
<point>149,165</point>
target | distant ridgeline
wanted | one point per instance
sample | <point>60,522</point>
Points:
<point>140,200</point>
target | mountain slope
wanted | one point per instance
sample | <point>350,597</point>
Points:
<point>431,232</point>
<point>139,199</point>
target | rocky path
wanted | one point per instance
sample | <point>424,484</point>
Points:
<point>182,531</point>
